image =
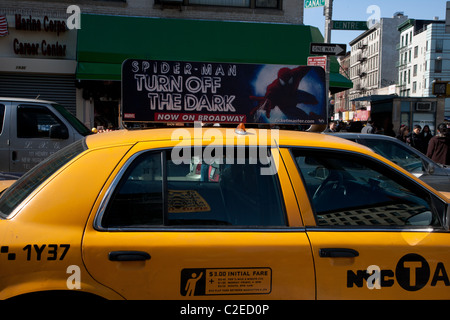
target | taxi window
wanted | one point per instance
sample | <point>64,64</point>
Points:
<point>348,190</point>
<point>157,190</point>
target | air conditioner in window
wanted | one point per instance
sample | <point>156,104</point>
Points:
<point>423,106</point>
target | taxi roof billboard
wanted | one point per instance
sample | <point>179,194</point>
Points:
<point>181,91</point>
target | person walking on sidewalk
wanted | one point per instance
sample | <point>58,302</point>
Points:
<point>439,146</point>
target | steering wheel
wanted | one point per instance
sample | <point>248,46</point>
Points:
<point>332,184</point>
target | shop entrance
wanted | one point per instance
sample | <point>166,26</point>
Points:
<point>106,115</point>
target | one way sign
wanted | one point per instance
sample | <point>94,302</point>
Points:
<point>330,49</point>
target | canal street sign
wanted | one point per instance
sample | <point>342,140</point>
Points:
<point>314,3</point>
<point>329,49</point>
<point>350,25</point>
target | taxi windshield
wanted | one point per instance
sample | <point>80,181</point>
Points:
<point>23,187</point>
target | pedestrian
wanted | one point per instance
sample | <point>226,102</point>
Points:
<point>439,146</point>
<point>416,139</point>
<point>332,127</point>
<point>369,128</point>
<point>390,130</point>
<point>404,135</point>
<point>426,136</point>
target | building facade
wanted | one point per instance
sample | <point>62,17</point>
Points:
<point>37,54</point>
<point>342,107</point>
<point>373,61</point>
<point>424,57</point>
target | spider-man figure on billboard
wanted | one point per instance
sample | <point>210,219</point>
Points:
<point>284,93</point>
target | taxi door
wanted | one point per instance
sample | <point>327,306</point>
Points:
<point>192,230</point>
<point>375,233</point>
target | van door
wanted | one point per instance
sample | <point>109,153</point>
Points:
<point>4,136</point>
<point>36,134</point>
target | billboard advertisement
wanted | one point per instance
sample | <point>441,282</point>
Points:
<point>181,91</point>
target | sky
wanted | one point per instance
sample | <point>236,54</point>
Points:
<point>363,10</point>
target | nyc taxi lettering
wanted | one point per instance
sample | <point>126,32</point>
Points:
<point>412,273</point>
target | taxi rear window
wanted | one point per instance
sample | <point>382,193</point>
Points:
<point>23,187</point>
<point>156,190</point>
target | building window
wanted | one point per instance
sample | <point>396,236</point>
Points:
<point>267,4</point>
<point>415,70</point>
<point>439,45</point>
<point>416,52</point>
<point>438,66</point>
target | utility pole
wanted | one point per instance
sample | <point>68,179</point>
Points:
<point>328,13</point>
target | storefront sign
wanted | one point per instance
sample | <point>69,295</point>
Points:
<point>34,24</point>
<point>27,36</point>
<point>175,91</point>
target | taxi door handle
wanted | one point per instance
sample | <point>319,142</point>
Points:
<point>338,253</point>
<point>128,256</point>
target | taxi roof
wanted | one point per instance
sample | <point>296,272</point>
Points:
<point>219,135</point>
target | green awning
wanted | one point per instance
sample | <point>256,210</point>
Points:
<point>98,71</point>
<point>104,42</point>
<point>338,82</point>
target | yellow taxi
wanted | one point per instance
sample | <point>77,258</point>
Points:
<point>219,213</point>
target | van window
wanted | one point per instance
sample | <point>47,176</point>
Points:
<point>77,124</point>
<point>36,122</point>
<point>158,191</point>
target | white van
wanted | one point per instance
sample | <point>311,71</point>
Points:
<point>31,130</point>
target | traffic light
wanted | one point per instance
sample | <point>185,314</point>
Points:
<point>441,88</point>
